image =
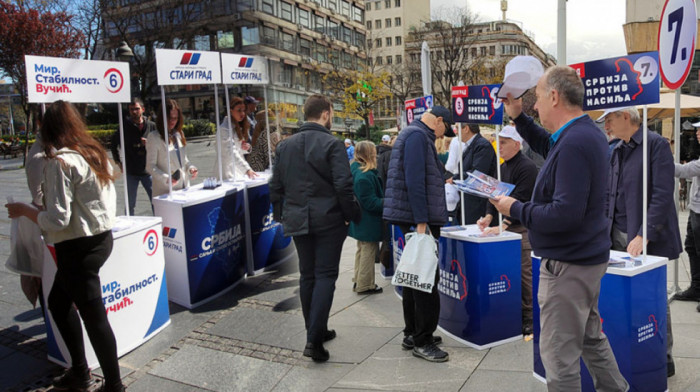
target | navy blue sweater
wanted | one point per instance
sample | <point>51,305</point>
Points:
<point>566,216</point>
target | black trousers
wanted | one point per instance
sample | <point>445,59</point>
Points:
<point>77,282</point>
<point>319,259</point>
<point>692,247</point>
<point>421,310</point>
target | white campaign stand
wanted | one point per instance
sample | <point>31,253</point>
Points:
<point>133,289</point>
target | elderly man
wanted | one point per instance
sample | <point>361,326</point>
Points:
<point>625,195</point>
<point>568,229</point>
<point>519,170</point>
<point>414,201</point>
<point>349,149</point>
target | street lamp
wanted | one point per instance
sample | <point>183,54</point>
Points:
<point>124,52</point>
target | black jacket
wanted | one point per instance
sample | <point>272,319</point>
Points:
<point>311,188</point>
<point>135,152</point>
<point>383,157</point>
<point>478,156</point>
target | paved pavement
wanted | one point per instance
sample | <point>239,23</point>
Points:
<point>251,339</point>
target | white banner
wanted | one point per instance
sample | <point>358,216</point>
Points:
<point>176,67</point>
<point>52,78</point>
<point>242,69</point>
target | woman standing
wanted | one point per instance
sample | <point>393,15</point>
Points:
<point>259,157</point>
<point>79,210</point>
<point>368,232</point>
<point>157,153</point>
<point>235,144</point>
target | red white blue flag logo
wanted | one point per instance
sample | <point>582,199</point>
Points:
<point>190,58</point>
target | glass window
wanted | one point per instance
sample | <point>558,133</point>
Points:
<point>369,44</point>
<point>387,3</point>
<point>303,17</point>
<point>360,40</point>
<point>304,47</point>
<point>378,24</point>
<point>389,59</point>
<point>333,29</point>
<point>357,14</point>
<point>388,41</point>
<point>269,36</point>
<point>321,53</point>
<point>250,35</point>
<point>397,21</point>
<point>319,24</point>
<point>268,6</point>
<point>299,78</point>
<point>397,3</point>
<point>368,6</point>
<point>245,5</point>
<point>333,5</point>
<point>369,25</point>
<point>201,42</point>
<point>378,42</point>
<point>473,52</point>
<point>347,35</point>
<point>378,61</point>
<point>492,50</point>
<point>286,11</point>
<point>398,40</point>
<point>369,61</point>
<point>377,5</point>
<point>224,40</point>
<point>347,60</point>
<point>345,8</point>
<point>387,22</point>
<point>288,42</point>
<point>398,59</point>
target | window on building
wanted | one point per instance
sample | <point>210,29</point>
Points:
<point>333,5</point>
<point>269,36</point>
<point>399,60</point>
<point>347,35</point>
<point>377,5</point>
<point>492,50</point>
<point>268,6</point>
<point>398,40</point>
<point>378,42</point>
<point>360,40</point>
<point>333,29</point>
<point>378,61</point>
<point>387,22</point>
<point>369,25</point>
<point>250,35</point>
<point>473,52</point>
<point>397,21</point>
<point>288,42</point>
<point>389,60</point>
<point>369,44</point>
<point>303,17</point>
<point>388,41</point>
<point>387,4</point>
<point>357,14</point>
<point>319,24</point>
<point>304,47</point>
<point>345,8</point>
<point>321,53</point>
<point>482,51</point>
<point>314,82</point>
<point>368,6</point>
<point>369,61</point>
<point>397,3</point>
<point>378,24</point>
<point>224,40</point>
<point>286,12</point>
<point>347,60</point>
<point>414,57</point>
<point>335,57</point>
<point>244,5</point>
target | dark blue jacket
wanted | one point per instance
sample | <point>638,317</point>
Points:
<point>626,175</point>
<point>566,216</point>
<point>415,189</point>
<point>478,156</point>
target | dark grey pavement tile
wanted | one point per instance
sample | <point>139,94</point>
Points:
<point>149,383</point>
<point>312,377</point>
<point>220,371</point>
<point>493,380</point>
<point>515,356</point>
<point>262,326</point>
<point>684,312</point>
<point>18,367</point>
<point>376,310</point>
<point>686,340</point>
<point>355,344</point>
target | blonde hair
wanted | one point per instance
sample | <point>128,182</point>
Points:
<point>441,144</point>
<point>366,155</point>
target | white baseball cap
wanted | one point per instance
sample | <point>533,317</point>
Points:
<point>608,111</point>
<point>386,138</point>
<point>348,141</point>
<point>510,133</point>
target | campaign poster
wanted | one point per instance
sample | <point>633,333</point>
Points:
<point>243,69</point>
<point>270,246</point>
<point>177,67</point>
<point>477,104</point>
<point>416,107</point>
<point>215,245</point>
<point>620,81</point>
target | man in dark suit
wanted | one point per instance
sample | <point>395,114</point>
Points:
<point>478,155</point>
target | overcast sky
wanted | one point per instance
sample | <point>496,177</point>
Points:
<point>594,27</point>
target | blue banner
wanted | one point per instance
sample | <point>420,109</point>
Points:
<point>270,246</point>
<point>620,81</point>
<point>416,107</point>
<point>477,104</point>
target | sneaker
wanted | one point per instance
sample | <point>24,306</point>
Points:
<point>408,344</point>
<point>691,294</point>
<point>430,352</point>
<point>698,308</point>
<point>670,369</point>
<point>527,329</point>
<point>73,381</point>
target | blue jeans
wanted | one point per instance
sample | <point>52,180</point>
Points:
<point>132,184</point>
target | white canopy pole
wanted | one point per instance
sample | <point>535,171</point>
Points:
<point>218,133</point>
<point>167,141</point>
<point>645,183</point>
<point>461,173</point>
<point>677,156</point>
<point>498,172</point>
<point>228,117</point>
<point>122,156</point>
<point>267,126</point>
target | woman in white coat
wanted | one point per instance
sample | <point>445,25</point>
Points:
<point>235,144</point>
<point>157,153</point>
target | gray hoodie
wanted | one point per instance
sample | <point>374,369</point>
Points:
<point>691,170</point>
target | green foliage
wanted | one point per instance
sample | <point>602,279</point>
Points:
<point>103,117</point>
<point>99,127</point>
<point>104,136</point>
<point>198,128</point>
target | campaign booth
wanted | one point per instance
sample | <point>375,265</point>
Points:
<point>632,308</point>
<point>480,288</point>
<point>134,289</point>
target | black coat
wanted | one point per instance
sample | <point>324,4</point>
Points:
<point>135,152</point>
<point>383,157</point>
<point>311,188</point>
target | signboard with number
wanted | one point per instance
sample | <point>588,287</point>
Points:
<point>677,32</point>
<point>620,81</point>
<point>477,104</point>
<point>416,107</point>
<point>52,78</point>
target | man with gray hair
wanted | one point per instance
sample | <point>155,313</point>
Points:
<point>568,230</point>
<point>625,190</point>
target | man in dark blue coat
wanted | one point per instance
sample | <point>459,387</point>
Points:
<point>568,229</point>
<point>415,200</point>
<point>625,195</point>
<point>479,155</point>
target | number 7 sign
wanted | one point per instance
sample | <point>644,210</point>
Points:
<point>677,34</point>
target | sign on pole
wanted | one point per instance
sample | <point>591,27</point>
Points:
<point>242,69</point>
<point>52,78</point>
<point>620,81</point>
<point>416,107</point>
<point>177,67</point>
<point>477,104</point>
<point>677,31</point>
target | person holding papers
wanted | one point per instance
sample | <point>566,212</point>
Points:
<point>625,188</point>
<point>519,170</point>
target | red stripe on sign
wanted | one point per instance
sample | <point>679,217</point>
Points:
<point>242,62</point>
<point>186,58</point>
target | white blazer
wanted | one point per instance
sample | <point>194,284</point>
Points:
<point>234,165</point>
<point>157,163</point>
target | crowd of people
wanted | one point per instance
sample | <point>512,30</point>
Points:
<point>582,200</point>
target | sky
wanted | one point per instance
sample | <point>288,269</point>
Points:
<point>594,27</point>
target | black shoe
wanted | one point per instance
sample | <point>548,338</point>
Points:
<point>430,352</point>
<point>691,294</point>
<point>527,329</point>
<point>104,388</point>
<point>408,344</point>
<point>698,308</point>
<point>73,381</point>
<point>670,369</point>
<point>329,335</point>
<point>317,353</point>
<point>375,290</point>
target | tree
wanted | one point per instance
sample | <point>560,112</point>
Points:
<point>26,31</point>
<point>360,91</point>
<point>88,20</point>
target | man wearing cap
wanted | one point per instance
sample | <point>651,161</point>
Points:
<point>521,171</point>
<point>568,229</point>
<point>251,104</point>
<point>349,149</point>
<point>625,189</point>
<point>415,201</point>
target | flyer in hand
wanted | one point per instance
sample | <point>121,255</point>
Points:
<point>482,185</point>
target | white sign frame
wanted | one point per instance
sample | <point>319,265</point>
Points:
<point>176,67</point>
<point>676,41</point>
<point>243,69</point>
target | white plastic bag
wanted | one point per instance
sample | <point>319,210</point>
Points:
<point>26,248</point>
<point>418,262</point>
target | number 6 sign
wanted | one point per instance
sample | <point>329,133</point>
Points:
<point>677,32</point>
